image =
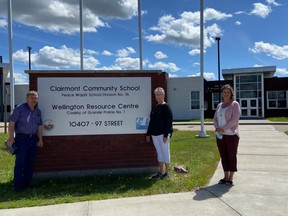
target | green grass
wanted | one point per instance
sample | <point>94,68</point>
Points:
<point>278,119</point>
<point>199,155</point>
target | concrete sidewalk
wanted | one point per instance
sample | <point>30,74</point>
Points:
<point>261,187</point>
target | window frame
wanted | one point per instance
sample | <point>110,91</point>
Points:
<point>276,100</point>
<point>195,100</point>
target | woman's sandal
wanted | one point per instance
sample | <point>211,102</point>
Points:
<point>229,183</point>
<point>222,181</point>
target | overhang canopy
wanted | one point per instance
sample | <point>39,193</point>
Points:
<point>268,72</point>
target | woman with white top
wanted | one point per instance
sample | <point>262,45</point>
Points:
<point>226,123</point>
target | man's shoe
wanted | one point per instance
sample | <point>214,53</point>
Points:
<point>165,176</point>
<point>29,185</point>
<point>158,175</point>
<point>17,189</point>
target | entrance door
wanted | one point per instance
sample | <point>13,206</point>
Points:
<point>249,107</point>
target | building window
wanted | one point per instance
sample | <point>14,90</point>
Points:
<point>276,100</point>
<point>215,100</point>
<point>248,86</point>
<point>195,100</point>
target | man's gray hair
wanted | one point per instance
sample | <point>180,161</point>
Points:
<point>34,93</point>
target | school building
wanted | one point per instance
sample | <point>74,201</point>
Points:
<point>259,93</point>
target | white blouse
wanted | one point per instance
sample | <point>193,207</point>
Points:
<point>222,121</point>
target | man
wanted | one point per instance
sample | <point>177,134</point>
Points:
<point>26,124</point>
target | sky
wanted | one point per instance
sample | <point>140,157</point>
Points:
<point>252,33</point>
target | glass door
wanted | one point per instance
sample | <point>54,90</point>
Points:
<point>249,107</point>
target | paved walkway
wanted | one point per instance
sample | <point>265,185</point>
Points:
<point>261,187</point>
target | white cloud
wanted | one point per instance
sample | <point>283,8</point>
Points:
<point>240,12</point>
<point>68,58</point>
<point>164,66</point>
<point>172,75</point>
<point>261,10</point>
<point>212,14</point>
<point>106,53</point>
<point>61,9</point>
<point>3,23</point>
<point>207,75</point>
<point>273,2</point>
<point>185,31</point>
<point>282,71</point>
<point>125,52</point>
<point>90,63</point>
<point>112,67</point>
<point>57,58</point>
<point>195,51</point>
<point>273,50</point>
<point>258,65</point>
<point>89,52</point>
<point>19,78</point>
<point>120,9</point>
<point>63,16</point>
<point>238,23</point>
<point>160,55</point>
<point>20,55</point>
<point>127,63</point>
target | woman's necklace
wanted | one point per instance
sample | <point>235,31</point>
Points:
<point>226,104</point>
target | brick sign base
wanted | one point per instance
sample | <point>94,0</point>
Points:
<point>96,154</point>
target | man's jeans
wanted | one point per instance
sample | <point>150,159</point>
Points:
<point>25,157</point>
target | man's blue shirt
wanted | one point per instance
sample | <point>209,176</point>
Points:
<point>26,120</point>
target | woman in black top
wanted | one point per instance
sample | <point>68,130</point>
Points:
<point>160,129</point>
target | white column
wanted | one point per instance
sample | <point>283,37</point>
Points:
<point>202,132</point>
<point>81,33</point>
<point>140,34</point>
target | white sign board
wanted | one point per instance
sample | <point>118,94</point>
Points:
<point>93,105</point>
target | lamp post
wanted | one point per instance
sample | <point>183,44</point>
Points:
<point>219,88</point>
<point>29,53</point>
